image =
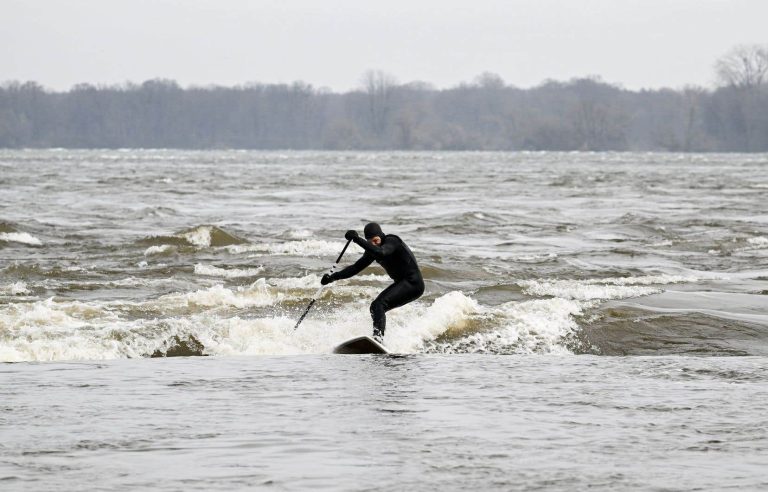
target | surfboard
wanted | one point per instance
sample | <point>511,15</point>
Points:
<point>360,345</point>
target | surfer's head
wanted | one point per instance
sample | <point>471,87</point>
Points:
<point>372,231</point>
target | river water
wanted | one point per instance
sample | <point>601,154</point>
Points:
<point>591,320</point>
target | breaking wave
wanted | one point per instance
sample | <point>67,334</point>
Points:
<point>213,271</point>
<point>218,296</point>
<point>204,236</point>
<point>14,289</point>
<point>211,321</point>
<point>20,237</point>
<point>163,249</point>
<point>606,288</point>
<point>452,323</point>
<point>538,326</point>
<point>306,247</point>
<point>759,242</point>
<point>258,318</point>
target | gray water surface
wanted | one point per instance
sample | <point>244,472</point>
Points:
<point>387,423</point>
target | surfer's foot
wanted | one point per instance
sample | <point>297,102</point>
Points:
<point>378,335</point>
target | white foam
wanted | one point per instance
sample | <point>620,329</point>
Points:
<point>256,294</point>
<point>262,336</point>
<point>571,289</point>
<point>758,242</point>
<point>213,271</point>
<point>306,282</point>
<point>122,282</point>
<point>199,236</point>
<point>755,244</point>
<point>606,288</point>
<point>15,289</point>
<point>47,313</point>
<point>53,348</point>
<point>50,330</point>
<point>371,277</point>
<point>55,331</point>
<point>318,333</point>
<point>158,250</point>
<point>536,258</point>
<point>312,281</point>
<point>541,325</point>
<point>646,280</point>
<point>301,234</point>
<point>308,247</point>
<point>410,326</point>
<point>538,326</point>
<point>20,237</point>
<point>454,322</point>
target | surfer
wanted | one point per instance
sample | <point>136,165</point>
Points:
<point>398,261</point>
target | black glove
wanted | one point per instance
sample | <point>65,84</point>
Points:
<point>327,279</point>
<point>351,235</point>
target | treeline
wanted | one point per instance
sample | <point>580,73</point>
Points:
<point>581,114</point>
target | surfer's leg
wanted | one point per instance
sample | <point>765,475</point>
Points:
<point>394,296</point>
<point>378,312</point>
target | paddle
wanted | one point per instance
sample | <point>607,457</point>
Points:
<point>320,290</point>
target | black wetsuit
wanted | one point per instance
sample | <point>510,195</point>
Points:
<point>400,264</point>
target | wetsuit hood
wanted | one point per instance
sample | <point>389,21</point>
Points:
<point>373,229</point>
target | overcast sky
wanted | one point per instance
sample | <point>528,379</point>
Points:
<point>330,43</point>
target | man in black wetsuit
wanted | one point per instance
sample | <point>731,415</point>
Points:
<point>397,259</point>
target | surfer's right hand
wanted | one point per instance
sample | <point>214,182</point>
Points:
<point>327,279</point>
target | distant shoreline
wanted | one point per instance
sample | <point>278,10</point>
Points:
<point>579,115</point>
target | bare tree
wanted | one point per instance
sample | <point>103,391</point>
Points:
<point>693,96</point>
<point>489,80</point>
<point>378,86</point>
<point>744,70</point>
<point>745,66</point>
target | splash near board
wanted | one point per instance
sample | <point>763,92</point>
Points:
<point>360,345</point>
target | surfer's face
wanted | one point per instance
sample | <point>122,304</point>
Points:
<point>375,240</point>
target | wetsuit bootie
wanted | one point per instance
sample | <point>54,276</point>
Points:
<point>378,335</point>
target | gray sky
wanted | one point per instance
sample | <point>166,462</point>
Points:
<point>330,43</point>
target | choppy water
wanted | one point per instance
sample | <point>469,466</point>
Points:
<point>541,266</point>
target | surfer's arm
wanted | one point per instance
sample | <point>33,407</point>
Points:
<point>354,268</point>
<point>377,252</point>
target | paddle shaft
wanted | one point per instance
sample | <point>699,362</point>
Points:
<point>320,290</point>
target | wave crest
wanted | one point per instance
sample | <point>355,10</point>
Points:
<point>20,237</point>
<point>306,247</point>
<point>605,288</point>
<point>214,271</point>
<point>203,236</point>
